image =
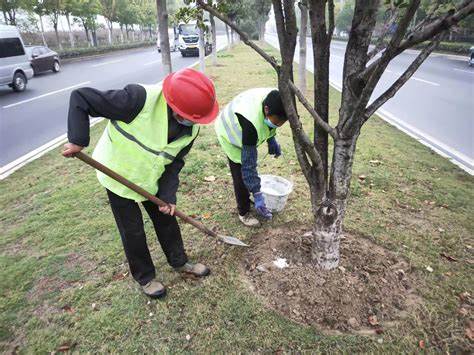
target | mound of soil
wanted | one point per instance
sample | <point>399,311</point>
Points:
<point>371,289</point>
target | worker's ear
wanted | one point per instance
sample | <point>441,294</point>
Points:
<point>266,110</point>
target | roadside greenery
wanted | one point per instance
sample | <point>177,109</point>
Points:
<point>80,52</point>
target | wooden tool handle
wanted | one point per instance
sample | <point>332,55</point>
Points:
<point>96,165</point>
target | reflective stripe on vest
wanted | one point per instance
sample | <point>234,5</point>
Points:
<point>139,150</point>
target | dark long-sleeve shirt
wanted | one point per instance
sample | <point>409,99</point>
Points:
<point>124,105</point>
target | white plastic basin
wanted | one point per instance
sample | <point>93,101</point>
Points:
<point>275,189</point>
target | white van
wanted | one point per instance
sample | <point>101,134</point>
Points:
<point>15,68</point>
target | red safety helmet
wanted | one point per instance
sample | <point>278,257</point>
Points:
<point>191,94</point>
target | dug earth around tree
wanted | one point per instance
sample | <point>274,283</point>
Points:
<point>372,289</point>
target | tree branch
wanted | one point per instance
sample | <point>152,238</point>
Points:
<point>392,90</point>
<point>270,59</point>
<point>317,119</point>
<point>429,31</point>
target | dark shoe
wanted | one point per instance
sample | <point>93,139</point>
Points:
<point>154,289</point>
<point>198,270</point>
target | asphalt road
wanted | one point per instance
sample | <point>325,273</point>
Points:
<point>436,105</point>
<point>33,118</point>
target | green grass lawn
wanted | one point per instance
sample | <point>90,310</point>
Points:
<point>64,280</point>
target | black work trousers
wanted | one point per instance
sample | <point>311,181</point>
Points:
<point>129,219</point>
<point>242,194</point>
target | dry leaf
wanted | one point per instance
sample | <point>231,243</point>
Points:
<point>373,320</point>
<point>463,312</point>
<point>206,215</point>
<point>362,177</point>
<point>188,337</point>
<point>65,347</point>
<point>469,331</point>
<point>429,269</point>
<point>464,296</point>
<point>67,308</point>
<point>421,344</point>
<point>375,162</point>
<point>210,178</point>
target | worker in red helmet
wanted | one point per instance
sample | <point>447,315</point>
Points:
<point>151,129</point>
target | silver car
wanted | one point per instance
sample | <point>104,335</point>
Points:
<point>15,68</point>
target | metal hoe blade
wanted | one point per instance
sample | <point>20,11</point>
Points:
<point>232,241</point>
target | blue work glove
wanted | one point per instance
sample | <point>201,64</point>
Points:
<point>273,147</point>
<point>260,207</point>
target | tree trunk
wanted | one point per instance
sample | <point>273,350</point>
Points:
<point>163,32</point>
<point>121,34</point>
<point>5,17</point>
<point>55,25</point>
<point>228,37</point>
<point>261,30</point>
<point>109,27</point>
<point>330,215</point>
<point>202,49</point>
<point>71,36</point>
<point>302,43</point>
<point>42,30</point>
<point>214,40</point>
<point>231,37</point>
<point>321,44</point>
<point>126,33</point>
<point>94,37</point>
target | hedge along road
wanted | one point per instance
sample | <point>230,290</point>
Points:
<point>35,120</point>
<point>436,105</point>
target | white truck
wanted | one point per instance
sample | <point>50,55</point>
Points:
<point>15,67</point>
<point>188,39</point>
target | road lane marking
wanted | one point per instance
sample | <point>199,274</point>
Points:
<point>106,63</point>
<point>424,81</point>
<point>47,94</point>
<point>36,153</point>
<point>465,71</point>
<point>153,62</point>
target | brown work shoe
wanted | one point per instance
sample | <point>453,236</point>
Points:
<point>198,269</point>
<point>154,289</point>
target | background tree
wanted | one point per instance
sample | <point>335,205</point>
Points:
<point>68,8</point>
<point>53,9</point>
<point>10,9</point>
<point>86,11</point>
<point>109,12</point>
<point>329,190</point>
<point>163,35</point>
<point>344,18</point>
<point>38,9</point>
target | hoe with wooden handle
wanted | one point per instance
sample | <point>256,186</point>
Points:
<point>96,165</point>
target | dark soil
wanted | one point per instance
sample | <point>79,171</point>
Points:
<point>370,291</point>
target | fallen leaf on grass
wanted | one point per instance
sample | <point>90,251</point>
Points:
<point>67,309</point>
<point>373,320</point>
<point>65,347</point>
<point>362,177</point>
<point>464,296</point>
<point>448,257</point>
<point>210,178</point>
<point>421,344</point>
<point>463,312</point>
<point>188,337</point>
<point>206,215</point>
<point>469,331</point>
<point>375,162</point>
<point>429,269</point>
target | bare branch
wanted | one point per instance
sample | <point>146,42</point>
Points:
<point>317,119</point>
<point>381,40</point>
<point>243,35</point>
<point>392,90</point>
<point>429,31</point>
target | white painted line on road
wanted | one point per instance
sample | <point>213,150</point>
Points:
<point>106,63</point>
<point>47,94</point>
<point>153,62</point>
<point>465,71</point>
<point>424,81</point>
<point>38,152</point>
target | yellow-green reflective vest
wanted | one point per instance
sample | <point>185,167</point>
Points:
<point>227,126</point>
<point>139,150</point>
